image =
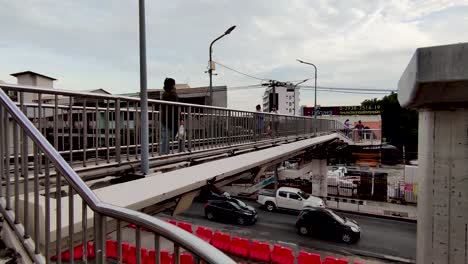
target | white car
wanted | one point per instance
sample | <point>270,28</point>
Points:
<point>288,198</point>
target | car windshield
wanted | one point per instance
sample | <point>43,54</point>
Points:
<point>336,217</point>
<point>239,202</point>
<point>304,195</point>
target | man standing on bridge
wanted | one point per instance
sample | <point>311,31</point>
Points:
<point>169,116</point>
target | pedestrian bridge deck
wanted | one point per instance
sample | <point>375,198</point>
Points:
<point>157,188</point>
<point>151,190</point>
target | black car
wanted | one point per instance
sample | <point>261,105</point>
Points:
<point>325,223</point>
<point>230,210</point>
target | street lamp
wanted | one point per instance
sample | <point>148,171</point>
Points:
<point>210,66</point>
<point>315,96</point>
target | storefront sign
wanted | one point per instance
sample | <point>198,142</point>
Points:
<point>342,110</point>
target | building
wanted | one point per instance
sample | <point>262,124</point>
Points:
<point>31,78</point>
<point>287,99</point>
<point>195,95</point>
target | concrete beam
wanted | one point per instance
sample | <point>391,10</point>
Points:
<point>435,75</point>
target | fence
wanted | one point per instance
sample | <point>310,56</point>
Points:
<point>100,128</point>
<point>37,219</point>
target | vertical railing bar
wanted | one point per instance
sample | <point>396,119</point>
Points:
<point>84,229</point>
<point>189,129</point>
<point>177,254</point>
<point>16,170</point>
<point>117,131</point>
<point>58,199</point>
<point>153,129</point>
<point>36,198</point>
<point>107,133</point>
<point>138,244</point>
<point>85,132</point>
<point>97,130</point>
<point>63,129</point>
<point>70,125</point>
<point>24,170</point>
<point>71,222</point>
<point>6,152</point>
<point>157,248</point>
<point>119,241</point>
<point>47,206</point>
<point>3,170</point>
<point>56,122</point>
<point>128,131</point>
<point>135,134</point>
<point>40,127</point>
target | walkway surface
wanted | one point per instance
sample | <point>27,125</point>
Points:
<point>151,190</point>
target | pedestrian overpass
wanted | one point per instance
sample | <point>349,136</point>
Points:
<point>53,142</point>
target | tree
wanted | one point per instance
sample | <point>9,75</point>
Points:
<point>399,125</point>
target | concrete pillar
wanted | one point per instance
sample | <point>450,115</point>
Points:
<point>436,83</point>
<point>319,177</point>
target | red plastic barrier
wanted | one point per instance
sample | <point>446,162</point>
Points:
<point>186,258</point>
<point>125,252</point>
<point>164,257</point>
<point>144,255</point>
<point>111,249</point>
<point>204,233</point>
<point>308,258</point>
<point>90,250</point>
<point>329,260</point>
<point>282,255</point>
<point>239,247</point>
<point>341,261</point>
<point>260,251</point>
<point>186,226</point>
<point>171,222</point>
<point>221,241</point>
<point>132,255</point>
<point>77,253</point>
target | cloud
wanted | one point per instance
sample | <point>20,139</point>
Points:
<point>91,44</point>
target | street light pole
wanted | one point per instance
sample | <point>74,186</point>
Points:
<point>210,62</point>
<point>143,92</point>
<point>315,96</point>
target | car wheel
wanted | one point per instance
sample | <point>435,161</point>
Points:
<point>270,206</point>
<point>302,230</point>
<point>346,238</point>
<point>240,220</point>
<point>209,215</point>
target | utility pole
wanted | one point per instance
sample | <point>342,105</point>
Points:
<point>143,92</point>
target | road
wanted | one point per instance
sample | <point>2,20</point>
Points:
<point>381,238</point>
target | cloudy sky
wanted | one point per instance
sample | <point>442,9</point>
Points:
<point>91,44</point>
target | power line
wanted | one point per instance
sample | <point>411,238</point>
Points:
<point>239,72</point>
<point>250,87</point>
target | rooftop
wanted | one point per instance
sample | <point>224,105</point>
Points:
<point>32,73</point>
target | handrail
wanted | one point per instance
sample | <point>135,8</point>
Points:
<point>35,89</point>
<point>179,237</point>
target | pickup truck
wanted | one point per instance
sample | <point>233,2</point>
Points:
<point>288,198</point>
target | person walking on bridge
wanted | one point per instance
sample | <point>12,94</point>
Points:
<point>169,116</point>
<point>260,122</point>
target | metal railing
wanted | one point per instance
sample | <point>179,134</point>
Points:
<point>37,219</point>
<point>93,129</point>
